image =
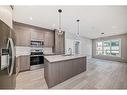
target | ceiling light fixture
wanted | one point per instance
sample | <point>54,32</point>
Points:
<point>78,29</point>
<point>114,27</point>
<point>60,32</point>
<point>31,18</point>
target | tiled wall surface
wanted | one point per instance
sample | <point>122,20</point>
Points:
<point>21,50</point>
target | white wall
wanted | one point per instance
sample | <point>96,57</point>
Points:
<point>86,47</point>
<point>85,44</point>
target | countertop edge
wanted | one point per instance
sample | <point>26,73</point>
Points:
<point>64,59</point>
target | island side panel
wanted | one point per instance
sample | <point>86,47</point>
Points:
<point>78,65</point>
<point>57,72</point>
<point>46,70</point>
<point>53,72</point>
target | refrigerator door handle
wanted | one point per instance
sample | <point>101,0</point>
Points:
<point>10,68</point>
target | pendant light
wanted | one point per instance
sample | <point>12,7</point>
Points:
<point>60,32</point>
<point>78,29</point>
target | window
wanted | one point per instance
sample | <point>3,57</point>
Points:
<point>109,47</point>
<point>99,48</point>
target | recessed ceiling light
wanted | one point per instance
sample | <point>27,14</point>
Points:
<point>114,27</point>
<point>102,33</point>
<point>31,18</point>
<point>53,25</point>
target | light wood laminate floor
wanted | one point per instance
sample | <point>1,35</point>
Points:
<point>100,74</point>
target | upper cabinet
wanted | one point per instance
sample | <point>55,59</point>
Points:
<point>59,43</point>
<point>6,15</point>
<point>25,33</point>
<point>49,39</point>
<point>37,35</point>
<point>4,34</point>
<point>22,35</point>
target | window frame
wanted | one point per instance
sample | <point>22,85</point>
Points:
<point>117,39</point>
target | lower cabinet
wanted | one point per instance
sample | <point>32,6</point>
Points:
<point>22,63</point>
<point>17,65</point>
<point>67,70</point>
<point>57,72</point>
<point>78,66</point>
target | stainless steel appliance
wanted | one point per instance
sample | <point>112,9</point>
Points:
<point>36,58</point>
<point>37,43</point>
<point>7,58</point>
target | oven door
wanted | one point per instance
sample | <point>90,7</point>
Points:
<point>36,62</point>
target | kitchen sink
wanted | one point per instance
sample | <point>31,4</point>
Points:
<point>67,54</point>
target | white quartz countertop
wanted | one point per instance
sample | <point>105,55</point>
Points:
<point>56,58</point>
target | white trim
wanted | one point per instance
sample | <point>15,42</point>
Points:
<point>118,39</point>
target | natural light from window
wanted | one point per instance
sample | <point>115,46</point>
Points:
<point>109,48</point>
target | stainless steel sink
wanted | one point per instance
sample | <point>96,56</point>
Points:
<point>67,54</point>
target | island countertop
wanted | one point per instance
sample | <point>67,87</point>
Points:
<point>59,68</point>
<point>56,58</point>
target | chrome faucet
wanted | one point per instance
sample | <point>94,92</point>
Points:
<point>70,51</point>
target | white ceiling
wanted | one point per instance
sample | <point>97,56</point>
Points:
<point>94,20</point>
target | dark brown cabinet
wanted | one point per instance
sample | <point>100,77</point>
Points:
<point>22,35</point>
<point>57,72</point>
<point>25,33</point>
<point>5,30</point>
<point>67,69</point>
<point>22,63</point>
<point>37,35</point>
<point>17,65</point>
<point>78,66</point>
<point>49,39</point>
<point>59,43</point>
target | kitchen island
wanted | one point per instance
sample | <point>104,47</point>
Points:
<point>59,68</point>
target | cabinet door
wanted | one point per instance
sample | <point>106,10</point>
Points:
<point>82,65</point>
<point>75,66</point>
<point>4,34</point>
<point>67,69</point>
<point>37,35</point>
<point>17,65</point>
<point>24,63</point>
<point>22,36</point>
<point>49,39</point>
<point>79,65</point>
<point>59,43</point>
<point>33,35</point>
<point>40,35</point>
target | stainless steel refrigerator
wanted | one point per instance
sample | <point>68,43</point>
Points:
<point>7,58</point>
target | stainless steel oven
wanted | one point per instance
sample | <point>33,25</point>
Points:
<point>36,59</point>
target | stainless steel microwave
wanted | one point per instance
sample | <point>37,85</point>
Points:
<point>35,43</point>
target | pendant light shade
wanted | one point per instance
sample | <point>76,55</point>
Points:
<point>78,29</point>
<point>60,32</point>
